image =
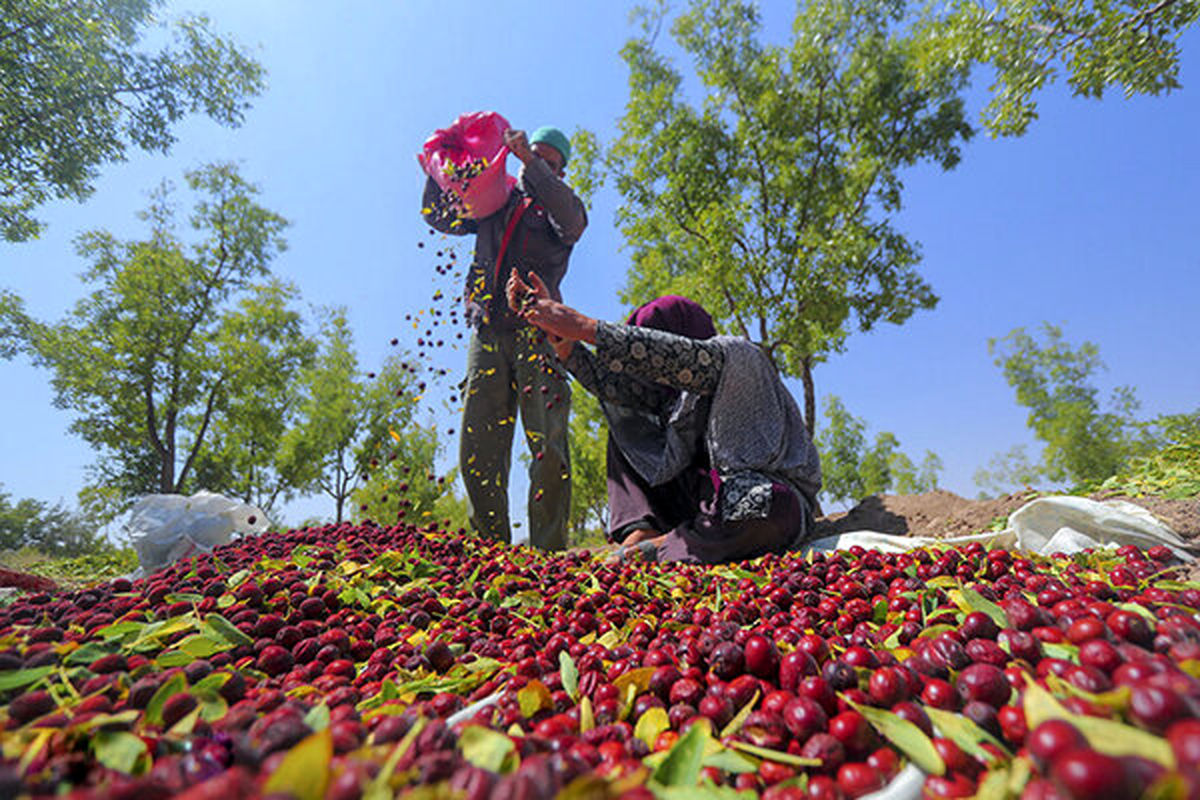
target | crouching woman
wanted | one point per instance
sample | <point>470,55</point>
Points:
<point>705,418</point>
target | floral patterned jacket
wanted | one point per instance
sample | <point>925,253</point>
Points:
<point>647,368</point>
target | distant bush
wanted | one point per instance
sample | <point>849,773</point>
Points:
<point>1171,469</point>
<point>90,568</point>
<point>54,530</point>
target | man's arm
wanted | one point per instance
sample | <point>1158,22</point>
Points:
<point>437,209</point>
<point>566,211</point>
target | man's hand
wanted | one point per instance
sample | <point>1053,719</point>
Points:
<point>518,144</point>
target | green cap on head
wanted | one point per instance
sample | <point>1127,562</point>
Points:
<point>555,138</point>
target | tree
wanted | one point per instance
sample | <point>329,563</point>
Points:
<point>850,470</point>
<point>152,359</point>
<point>1006,471</point>
<point>1097,44</point>
<point>885,468</point>
<point>77,89</point>
<point>53,530</point>
<point>351,424</point>
<point>772,202</point>
<point>242,458</point>
<point>589,474</point>
<point>841,443</point>
<point>1083,443</point>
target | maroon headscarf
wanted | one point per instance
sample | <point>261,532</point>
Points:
<point>674,314</point>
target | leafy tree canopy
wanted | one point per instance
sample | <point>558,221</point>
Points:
<point>78,87</point>
<point>53,530</point>
<point>356,436</point>
<point>1030,43</point>
<point>772,200</point>
<point>154,358</point>
<point>1082,441</point>
<point>243,457</point>
<point>1088,444</point>
<point>851,469</point>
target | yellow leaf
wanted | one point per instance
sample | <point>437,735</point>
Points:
<point>304,771</point>
<point>1105,735</point>
<point>639,677</point>
<point>485,748</point>
<point>653,722</point>
<point>610,639</point>
<point>587,720</point>
<point>533,697</point>
<point>739,719</point>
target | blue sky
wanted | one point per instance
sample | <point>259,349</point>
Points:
<point>1089,221</point>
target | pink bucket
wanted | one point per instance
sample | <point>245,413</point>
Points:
<point>468,159</point>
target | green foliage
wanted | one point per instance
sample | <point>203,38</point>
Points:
<point>1029,43</point>
<point>453,509</point>
<point>78,87</point>
<point>851,470</point>
<point>1082,442</point>
<point>53,530</point>
<point>841,442</point>
<point>402,485</point>
<point>152,361</point>
<point>1171,469</point>
<point>772,202</point>
<point>350,425</point>
<point>104,563</point>
<point>1006,471</point>
<point>589,485</point>
<point>243,457</point>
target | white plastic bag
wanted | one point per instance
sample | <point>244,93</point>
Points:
<point>1045,525</point>
<point>1070,524</point>
<point>164,528</point>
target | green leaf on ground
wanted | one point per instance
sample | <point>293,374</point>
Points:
<point>906,736</point>
<point>119,750</point>
<point>682,765</point>
<point>570,675</point>
<point>486,748</point>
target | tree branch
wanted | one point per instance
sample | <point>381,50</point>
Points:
<point>208,413</point>
<point>733,310</point>
<point>151,415</point>
<point>74,102</point>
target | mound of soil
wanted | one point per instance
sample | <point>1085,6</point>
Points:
<point>943,514</point>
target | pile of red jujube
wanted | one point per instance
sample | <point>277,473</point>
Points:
<point>360,660</point>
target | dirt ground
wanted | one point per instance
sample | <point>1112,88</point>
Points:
<point>941,513</point>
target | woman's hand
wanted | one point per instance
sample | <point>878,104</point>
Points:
<point>521,296</point>
<point>562,347</point>
<point>532,302</point>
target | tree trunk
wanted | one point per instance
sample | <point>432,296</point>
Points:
<point>810,397</point>
<point>166,482</point>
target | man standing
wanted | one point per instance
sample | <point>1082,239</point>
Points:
<point>509,364</point>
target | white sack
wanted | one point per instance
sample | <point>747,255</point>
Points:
<point>1045,525</point>
<point>164,528</point>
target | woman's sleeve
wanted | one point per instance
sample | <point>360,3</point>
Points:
<point>613,387</point>
<point>682,363</point>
